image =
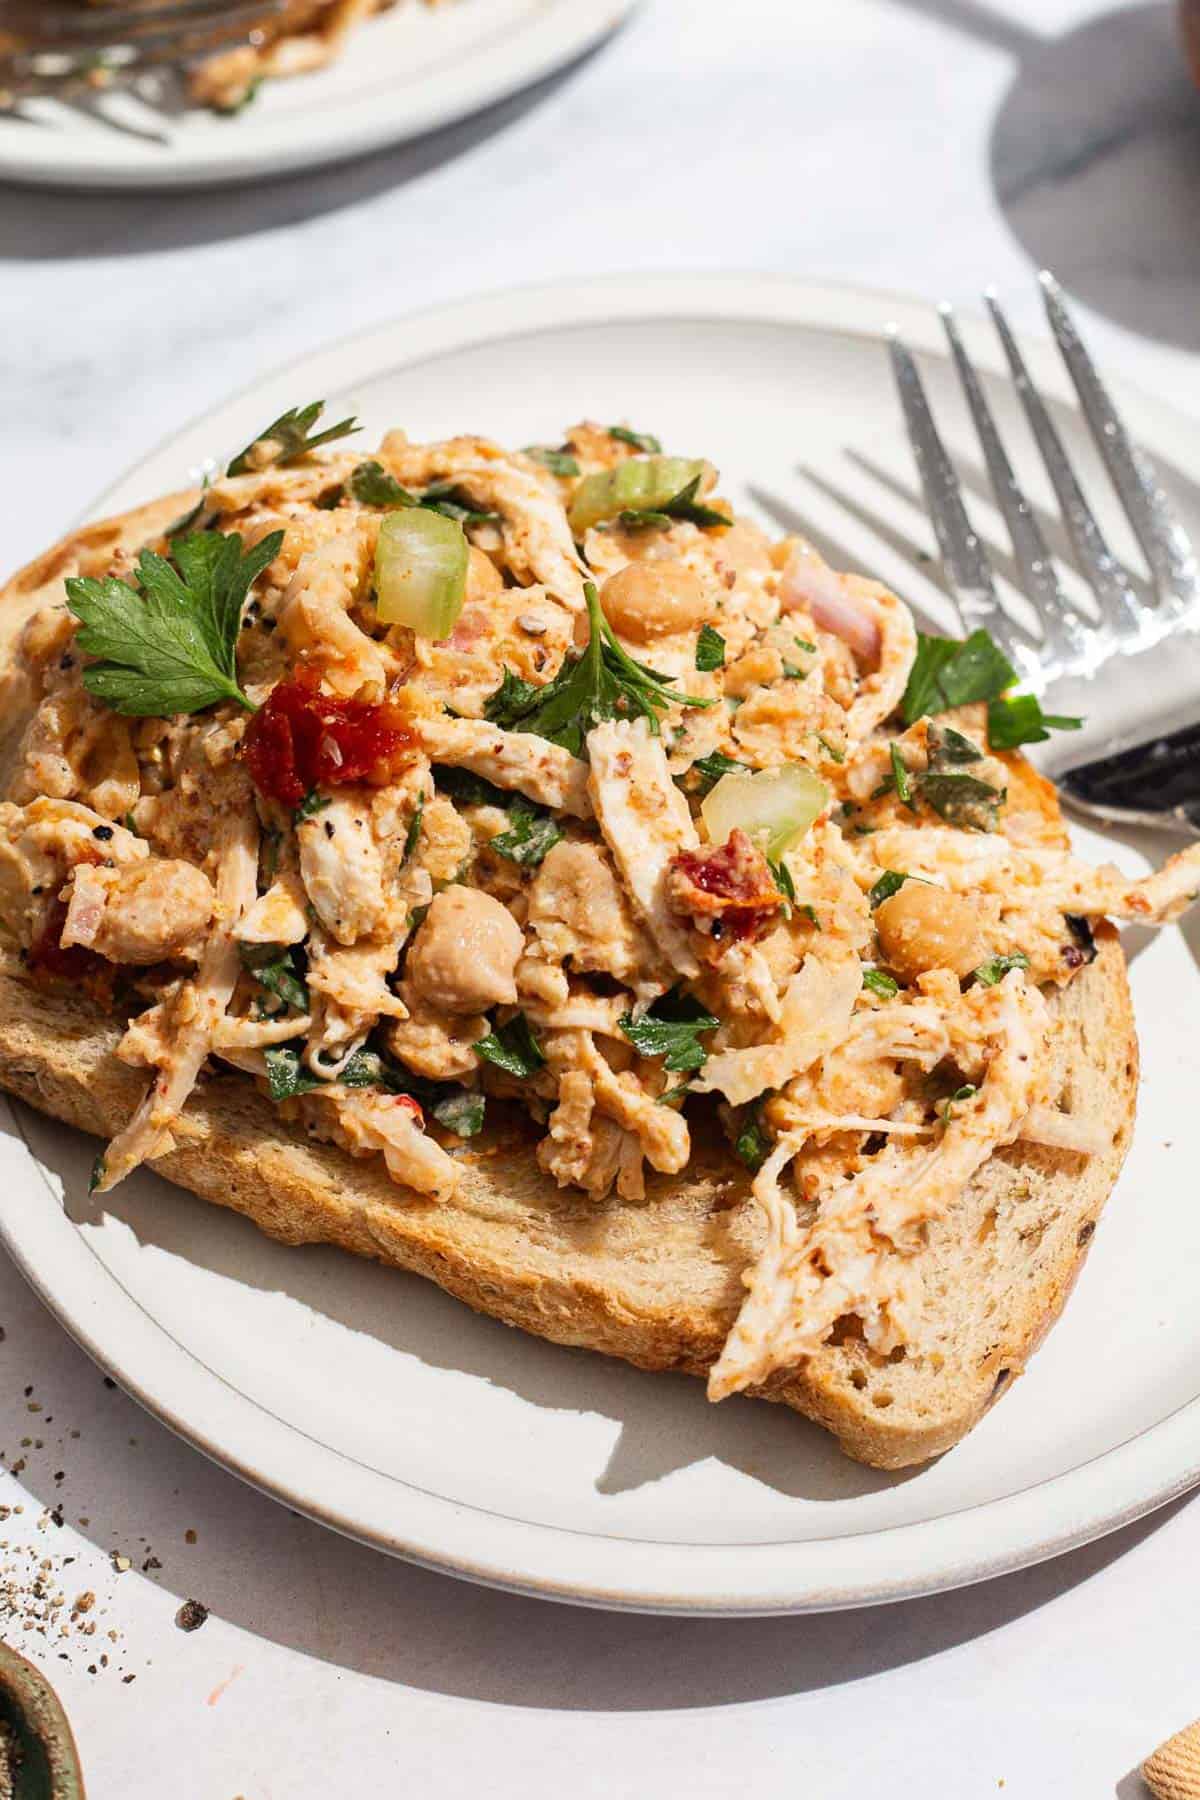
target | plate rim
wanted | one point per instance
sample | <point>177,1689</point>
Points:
<point>264,147</point>
<point>1100,1495</point>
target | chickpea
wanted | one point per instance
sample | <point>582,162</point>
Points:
<point>653,599</point>
<point>464,957</point>
<point>148,912</point>
<point>923,927</point>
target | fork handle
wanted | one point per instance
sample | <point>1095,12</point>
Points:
<point>1155,783</point>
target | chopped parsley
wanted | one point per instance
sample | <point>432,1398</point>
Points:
<point>601,682</point>
<point>1019,719</point>
<point>782,877</point>
<point>291,432</point>
<point>276,968</point>
<point>447,498</point>
<point>169,645</point>
<point>531,835</point>
<point>949,672</point>
<point>513,1048</point>
<point>467,788</point>
<point>286,1074</point>
<point>371,485</point>
<point>885,986</point>
<point>946,1110</point>
<point>793,672</point>
<point>706,771</point>
<point>948,747</point>
<point>559,462</point>
<point>710,650</point>
<point>671,1029</point>
<point>889,883</point>
<point>683,505</point>
<point>962,800</point>
<point>805,644</point>
<point>810,913</point>
<point>900,776</point>
<point>753,1142</point>
<point>412,836</point>
<point>459,1109</point>
<point>313,802</point>
<point>831,750</point>
<point>997,967</point>
<point>644,441</point>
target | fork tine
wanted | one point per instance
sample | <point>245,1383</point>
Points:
<point>1167,546</point>
<point>1064,634</point>
<point>963,556</point>
<point>1120,609</point>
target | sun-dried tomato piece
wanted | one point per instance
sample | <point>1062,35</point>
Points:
<point>303,739</point>
<point>725,889</point>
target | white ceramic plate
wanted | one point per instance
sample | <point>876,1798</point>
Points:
<point>409,71</point>
<point>372,1401</point>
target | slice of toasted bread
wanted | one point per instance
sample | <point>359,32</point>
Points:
<point>657,1282</point>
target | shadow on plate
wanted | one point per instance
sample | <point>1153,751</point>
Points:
<point>1095,157</point>
<point>666,1423</point>
<point>267,1570</point>
<point>39,224</point>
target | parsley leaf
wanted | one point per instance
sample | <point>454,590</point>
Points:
<point>710,650</point>
<point>286,1074</point>
<point>878,983</point>
<point>962,800</point>
<point>447,498</point>
<point>467,788</point>
<point>708,770</point>
<point>532,834</point>
<point>169,645</point>
<point>671,1029</point>
<point>753,1143</point>
<point>1020,720</point>
<point>371,485</point>
<point>601,682</point>
<point>412,836</point>
<point>313,802</point>
<point>900,776</point>
<point>948,747</point>
<point>948,672</point>
<point>289,433</point>
<point>997,967</point>
<point>683,505</point>
<point>637,440</point>
<point>831,750</point>
<point>275,968</point>
<point>782,877</point>
<point>512,1047</point>
<point>559,462</point>
<point>946,1110</point>
<point>889,883</point>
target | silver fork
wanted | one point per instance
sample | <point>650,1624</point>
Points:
<point>56,49</point>
<point>1134,671</point>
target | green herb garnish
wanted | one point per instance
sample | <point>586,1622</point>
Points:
<point>946,1110</point>
<point>671,1029</point>
<point>710,650</point>
<point>313,802</point>
<point>413,835</point>
<point>753,1143</point>
<point>531,835</point>
<point>900,776</point>
<point>831,750</point>
<point>683,505</point>
<point>447,498</point>
<point>962,800</point>
<point>949,672</point>
<point>512,1047</point>
<point>708,770</point>
<point>637,440</point>
<point>889,883</point>
<point>997,967</point>
<point>782,877</point>
<point>793,672</point>
<point>291,432</point>
<point>169,645</point>
<point>559,462</point>
<point>879,983</point>
<point>286,1074</point>
<point>601,682</point>
<point>275,968</point>
<point>371,485</point>
<point>467,788</point>
<point>1019,719</point>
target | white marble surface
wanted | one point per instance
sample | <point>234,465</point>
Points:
<point>928,145</point>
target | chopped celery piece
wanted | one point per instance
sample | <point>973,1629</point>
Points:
<point>421,571</point>
<point>774,807</point>
<point>639,484</point>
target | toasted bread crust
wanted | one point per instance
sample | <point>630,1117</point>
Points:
<point>657,1283</point>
